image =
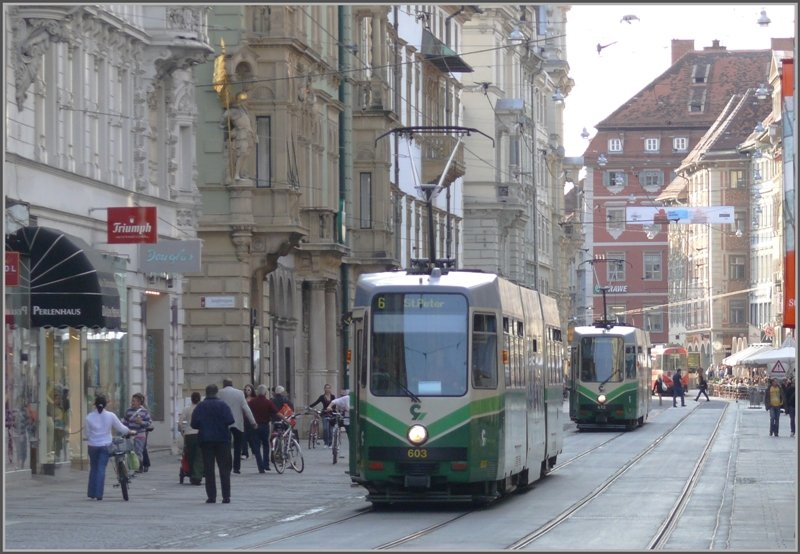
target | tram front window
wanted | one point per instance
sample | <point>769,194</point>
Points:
<point>419,345</point>
<point>602,359</point>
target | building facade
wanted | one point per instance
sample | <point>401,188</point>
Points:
<point>632,162</point>
<point>100,113</point>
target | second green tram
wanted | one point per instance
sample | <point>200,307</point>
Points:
<point>609,382</point>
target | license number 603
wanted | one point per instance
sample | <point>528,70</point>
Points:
<point>417,453</point>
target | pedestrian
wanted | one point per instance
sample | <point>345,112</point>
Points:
<point>281,399</point>
<point>236,401</point>
<point>264,411</point>
<point>788,401</point>
<point>677,389</point>
<point>98,434</point>
<point>773,403</point>
<point>325,398</point>
<point>212,418</point>
<point>191,448</point>
<point>703,386</point>
<point>137,417</point>
<point>658,388</point>
<point>249,393</point>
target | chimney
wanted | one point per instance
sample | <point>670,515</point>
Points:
<point>715,46</point>
<point>782,43</point>
<point>681,47</point>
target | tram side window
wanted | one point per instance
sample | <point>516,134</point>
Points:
<point>630,362</point>
<point>484,351</point>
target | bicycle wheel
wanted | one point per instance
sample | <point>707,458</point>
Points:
<point>278,459</point>
<point>335,442</point>
<point>296,456</point>
<point>122,476</point>
<point>313,432</point>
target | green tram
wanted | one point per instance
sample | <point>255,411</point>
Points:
<point>457,386</point>
<point>609,382</point>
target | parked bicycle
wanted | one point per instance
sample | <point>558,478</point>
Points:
<point>313,427</point>
<point>120,448</point>
<point>285,448</point>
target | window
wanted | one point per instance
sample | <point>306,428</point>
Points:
<point>513,154</point>
<point>484,351</point>
<point>652,266</point>
<point>736,311</point>
<point>263,153</point>
<point>615,266</point>
<point>738,180</point>
<point>615,145</point>
<point>651,179</point>
<point>680,144</point>
<point>615,179</point>
<point>736,267</point>
<point>616,312</point>
<point>615,219</point>
<point>700,73</point>
<point>651,145</point>
<point>653,319</point>
<point>365,199</point>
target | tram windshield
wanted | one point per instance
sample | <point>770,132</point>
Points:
<point>419,345</point>
<point>602,359</point>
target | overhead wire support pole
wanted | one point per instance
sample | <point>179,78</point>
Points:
<point>430,189</point>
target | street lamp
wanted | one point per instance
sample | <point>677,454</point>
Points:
<point>762,92</point>
<point>763,20</point>
<point>558,96</point>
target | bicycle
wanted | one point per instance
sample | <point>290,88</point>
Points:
<point>313,427</point>
<point>119,449</point>
<point>285,448</point>
<point>338,430</point>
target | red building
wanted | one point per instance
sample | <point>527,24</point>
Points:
<point>632,159</point>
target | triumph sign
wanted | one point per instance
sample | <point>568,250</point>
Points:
<point>132,225</point>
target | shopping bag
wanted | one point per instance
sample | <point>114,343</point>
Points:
<point>133,461</point>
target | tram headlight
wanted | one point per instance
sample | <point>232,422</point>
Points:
<point>417,435</point>
<point>601,399</point>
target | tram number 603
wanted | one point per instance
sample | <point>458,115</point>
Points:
<point>417,453</point>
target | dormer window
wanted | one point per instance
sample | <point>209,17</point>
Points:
<point>700,73</point>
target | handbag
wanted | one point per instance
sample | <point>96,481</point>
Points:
<point>663,386</point>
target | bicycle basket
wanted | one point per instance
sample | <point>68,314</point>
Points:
<point>120,444</point>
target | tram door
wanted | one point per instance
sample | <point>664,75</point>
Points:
<point>359,379</point>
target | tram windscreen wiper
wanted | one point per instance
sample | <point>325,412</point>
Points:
<point>405,389</point>
<point>600,386</point>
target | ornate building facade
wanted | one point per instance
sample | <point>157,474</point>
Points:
<point>101,113</point>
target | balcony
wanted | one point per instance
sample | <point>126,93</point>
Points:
<point>436,151</point>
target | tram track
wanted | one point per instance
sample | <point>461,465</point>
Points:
<point>665,529</point>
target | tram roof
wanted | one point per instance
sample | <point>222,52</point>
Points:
<point>467,282</point>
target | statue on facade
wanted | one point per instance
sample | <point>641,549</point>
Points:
<point>241,138</point>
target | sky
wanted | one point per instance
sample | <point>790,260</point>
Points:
<point>642,52</point>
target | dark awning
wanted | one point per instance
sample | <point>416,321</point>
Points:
<point>441,55</point>
<point>71,284</point>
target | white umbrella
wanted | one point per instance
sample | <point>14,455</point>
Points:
<point>784,354</point>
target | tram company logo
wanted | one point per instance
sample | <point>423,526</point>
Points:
<point>132,225</point>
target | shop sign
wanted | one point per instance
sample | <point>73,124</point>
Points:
<point>170,256</point>
<point>12,269</point>
<point>132,225</point>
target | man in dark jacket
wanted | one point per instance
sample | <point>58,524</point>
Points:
<point>677,389</point>
<point>788,401</point>
<point>212,418</point>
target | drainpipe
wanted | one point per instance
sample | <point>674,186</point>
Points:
<point>448,113</point>
<point>345,171</point>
